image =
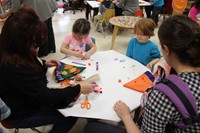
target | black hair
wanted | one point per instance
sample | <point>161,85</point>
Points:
<point>182,36</point>
<point>81,27</point>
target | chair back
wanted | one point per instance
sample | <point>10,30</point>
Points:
<point>109,13</point>
<point>87,47</point>
<point>6,125</point>
<point>139,13</point>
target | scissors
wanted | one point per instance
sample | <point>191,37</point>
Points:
<point>86,104</point>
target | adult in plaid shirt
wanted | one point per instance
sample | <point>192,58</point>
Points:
<point>4,111</point>
<point>181,50</point>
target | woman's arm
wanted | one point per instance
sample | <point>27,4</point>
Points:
<point>123,112</point>
<point>4,109</point>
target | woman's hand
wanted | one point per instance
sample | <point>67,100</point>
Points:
<point>122,110</point>
<point>51,63</point>
<point>87,88</point>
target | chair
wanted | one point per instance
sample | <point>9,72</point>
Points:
<point>72,5</point>
<point>139,13</point>
<point>16,130</point>
<point>109,13</point>
<point>87,47</point>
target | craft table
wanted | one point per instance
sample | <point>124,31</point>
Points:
<point>115,70</point>
<point>123,22</point>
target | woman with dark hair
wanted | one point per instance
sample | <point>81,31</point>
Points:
<point>23,79</point>
<point>181,50</point>
<point>194,13</point>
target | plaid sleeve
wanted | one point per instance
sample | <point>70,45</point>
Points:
<point>4,110</point>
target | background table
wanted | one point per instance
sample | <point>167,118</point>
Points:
<point>124,22</point>
<point>92,5</point>
<point>144,3</point>
<point>113,66</point>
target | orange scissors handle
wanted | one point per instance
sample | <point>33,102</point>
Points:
<point>83,104</point>
<point>86,104</point>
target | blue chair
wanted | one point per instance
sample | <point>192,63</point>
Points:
<point>87,47</point>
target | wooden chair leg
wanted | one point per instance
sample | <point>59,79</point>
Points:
<point>16,130</point>
<point>34,129</point>
<point>97,26</point>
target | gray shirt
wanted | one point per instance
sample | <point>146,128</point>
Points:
<point>43,8</point>
<point>129,6</point>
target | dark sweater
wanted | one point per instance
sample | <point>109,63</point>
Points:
<point>25,91</point>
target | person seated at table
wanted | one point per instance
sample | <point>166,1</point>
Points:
<point>23,76</point>
<point>194,12</point>
<point>74,43</point>
<point>128,6</point>
<point>181,50</point>
<point>4,112</point>
<point>106,4</point>
<point>140,47</point>
<point>157,8</point>
<point>148,9</point>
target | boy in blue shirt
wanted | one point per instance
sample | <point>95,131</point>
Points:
<point>141,48</point>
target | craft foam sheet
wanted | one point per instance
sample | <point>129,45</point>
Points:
<point>66,71</point>
<point>112,67</point>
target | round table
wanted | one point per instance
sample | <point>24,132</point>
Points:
<point>123,22</point>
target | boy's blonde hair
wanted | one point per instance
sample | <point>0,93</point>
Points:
<point>146,25</point>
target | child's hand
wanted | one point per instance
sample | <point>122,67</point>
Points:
<point>149,66</point>
<point>87,88</point>
<point>79,55</point>
<point>87,56</point>
<point>51,63</point>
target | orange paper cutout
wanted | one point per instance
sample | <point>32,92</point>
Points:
<point>141,83</point>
